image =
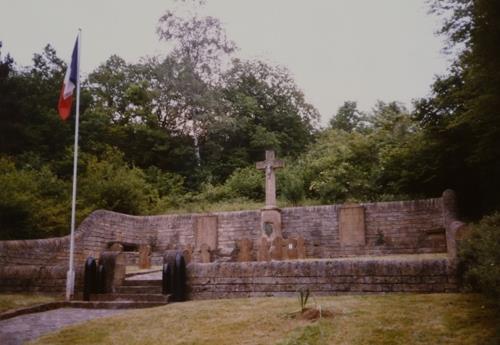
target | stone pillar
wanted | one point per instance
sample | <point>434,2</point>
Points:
<point>269,165</point>
<point>270,223</point>
<point>455,229</point>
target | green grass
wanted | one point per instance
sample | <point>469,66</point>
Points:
<point>13,301</point>
<point>232,205</point>
<point>411,319</point>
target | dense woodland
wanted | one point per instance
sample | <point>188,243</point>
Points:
<point>187,128</point>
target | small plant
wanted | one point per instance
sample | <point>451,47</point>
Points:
<point>303,297</point>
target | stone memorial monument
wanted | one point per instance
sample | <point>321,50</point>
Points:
<point>270,214</point>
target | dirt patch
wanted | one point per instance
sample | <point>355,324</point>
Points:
<point>313,314</point>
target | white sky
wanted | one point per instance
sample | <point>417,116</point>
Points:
<point>337,50</point>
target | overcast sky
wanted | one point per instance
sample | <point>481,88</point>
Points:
<point>337,50</point>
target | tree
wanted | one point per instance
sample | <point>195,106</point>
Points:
<point>28,100</point>
<point>461,119</point>
<point>200,46</point>
<point>347,118</point>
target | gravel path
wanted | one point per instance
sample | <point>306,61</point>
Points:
<point>21,329</point>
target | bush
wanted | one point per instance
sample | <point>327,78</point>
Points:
<point>291,185</point>
<point>247,183</point>
<point>33,203</point>
<point>479,257</point>
<point>112,185</point>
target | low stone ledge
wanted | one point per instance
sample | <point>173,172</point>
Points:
<point>276,278</point>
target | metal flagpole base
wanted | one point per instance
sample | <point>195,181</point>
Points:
<point>70,285</point>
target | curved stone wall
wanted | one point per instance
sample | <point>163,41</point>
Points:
<point>405,227</point>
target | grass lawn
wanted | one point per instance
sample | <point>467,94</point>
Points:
<point>450,319</point>
<point>13,301</point>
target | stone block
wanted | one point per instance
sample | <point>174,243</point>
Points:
<point>114,266</point>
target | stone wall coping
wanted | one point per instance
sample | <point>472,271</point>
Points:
<point>58,242</point>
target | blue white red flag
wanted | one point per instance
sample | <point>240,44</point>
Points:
<point>69,85</point>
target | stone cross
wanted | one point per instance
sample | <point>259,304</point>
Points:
<point>269,165</point>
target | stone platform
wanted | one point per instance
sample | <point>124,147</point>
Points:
<point>423,273</point>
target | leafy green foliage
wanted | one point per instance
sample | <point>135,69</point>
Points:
<point>291,184</point>
<point>247,182</point>
<point>33,203</point>
<point>480,257</point>
<point>187,128</point>
<point>461,119</point>
<point>348,117</point>
<point>303,296</point>
<point>110,184</point>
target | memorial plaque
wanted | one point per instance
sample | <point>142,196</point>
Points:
<point>352,225</point>
<point>206,232</point>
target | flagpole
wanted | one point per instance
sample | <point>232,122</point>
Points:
<point>70,277</point>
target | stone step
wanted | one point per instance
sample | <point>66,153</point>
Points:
<point>135,297</point>
<point>113,304</point>
<point>145,289</point>
<point>130,282</point>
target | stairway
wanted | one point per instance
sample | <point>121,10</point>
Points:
<point>136,293</point>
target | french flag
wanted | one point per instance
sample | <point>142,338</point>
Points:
<point>69,85</point>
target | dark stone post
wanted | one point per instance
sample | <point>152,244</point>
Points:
<point>89,278</point>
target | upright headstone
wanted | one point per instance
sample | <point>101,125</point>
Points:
<point>352,225</point>
<point>244,250</point>
<point>276,251</point>
<point>144,256</point>
<point>292,249</point>
<point>270,214</point>
<point>263,250</point>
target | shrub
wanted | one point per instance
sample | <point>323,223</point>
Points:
<point>479,257</point>
<point>247,183</point>
<point>291,185</point>
<point>33,203</point>
<point>112,185</point>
